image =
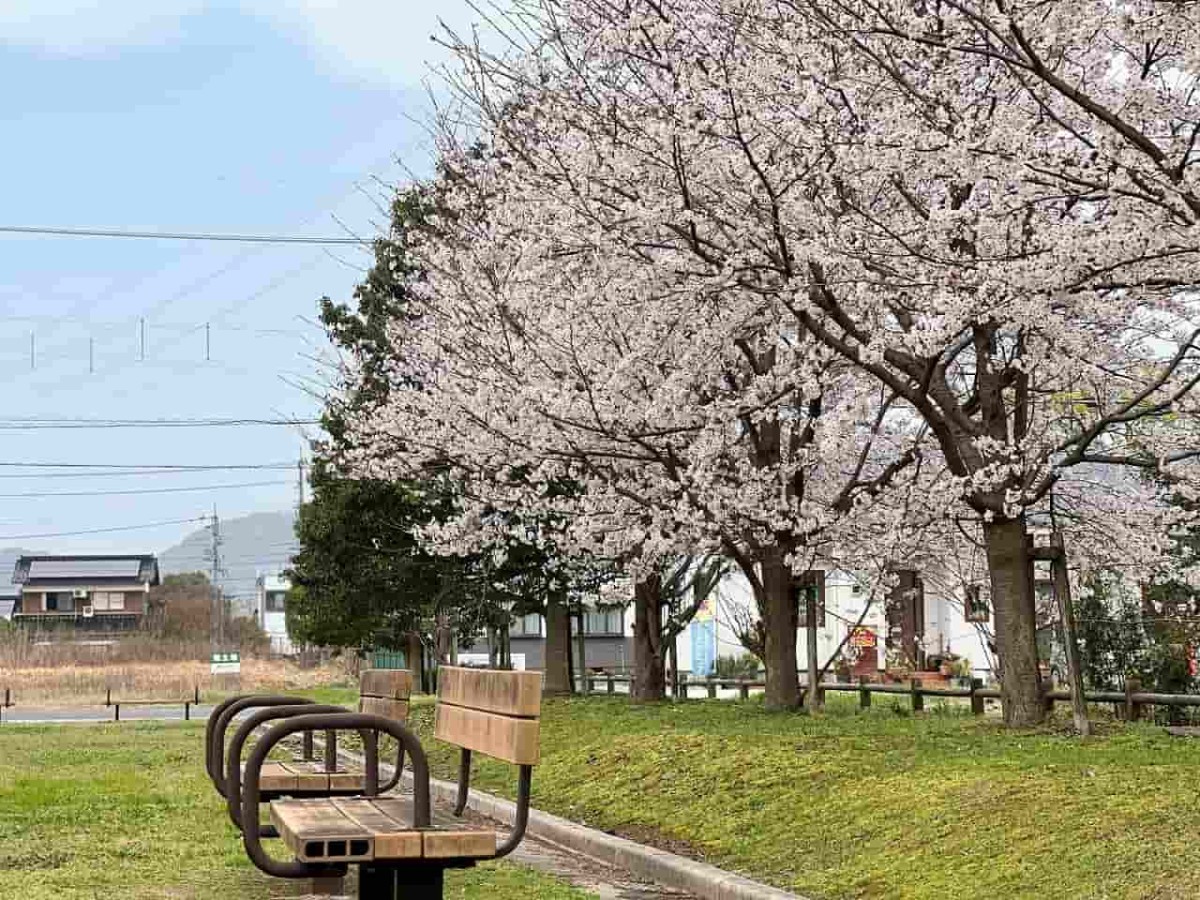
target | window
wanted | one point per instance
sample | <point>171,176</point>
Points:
<point>276,601</point>
<point>976,606</point>
<point>526,626</point>
<point>60,601</point>
<point>604,621</point>
<point>108,601</point>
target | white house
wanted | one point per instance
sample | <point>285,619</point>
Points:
<point>270,602</point>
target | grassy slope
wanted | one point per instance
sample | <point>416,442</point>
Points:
<point>127,811</point>
<point>877,804</point>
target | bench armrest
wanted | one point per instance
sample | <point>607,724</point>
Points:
<point>233,759</point>
<point>344,721</point>
<point>218,724</point>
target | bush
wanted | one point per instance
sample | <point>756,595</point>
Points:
<point>742,666</point>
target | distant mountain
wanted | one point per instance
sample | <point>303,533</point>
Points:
<point>259,544</point>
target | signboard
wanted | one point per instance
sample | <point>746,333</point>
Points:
<point>226,664</point>
<point>863,637</point>
<point>703,637</point>
<point>1193,663</point>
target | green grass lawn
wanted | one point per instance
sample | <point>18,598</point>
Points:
<point>126,811</point>
<point>878,803</point>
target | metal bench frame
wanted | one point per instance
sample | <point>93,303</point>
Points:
<point>420,879</point>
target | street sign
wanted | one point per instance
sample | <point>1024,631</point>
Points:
<point>226,664</point>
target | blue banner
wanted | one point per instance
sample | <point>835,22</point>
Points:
<point>703,638</point>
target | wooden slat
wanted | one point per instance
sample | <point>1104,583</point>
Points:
<point>392,839</point>
<point>275,776</point>
<point>492,690</point>
<point>512,740</point>
<point>395,684</point>
<point>442,843</point>
<point>389,709</point>
<point>347,781</point>
<point>302,821</point>
<point>310,775</point>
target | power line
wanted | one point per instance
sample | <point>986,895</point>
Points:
<point>170,490</point>
<point>54,231</point>
<point>44,424</point>
<point>26,537</point>
<point>133,468</point>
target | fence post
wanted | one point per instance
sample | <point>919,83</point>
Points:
<point>187,710</point>
<point>712,689</point>
<point>918,699</point>
<point>611,684</point>
<point>744,690</point>
<point>1133,711</point>
<point>196,695</point>
<point>108,696</point>
<point>976,700</point>
<point>864,695</point>
<point>117,712</point>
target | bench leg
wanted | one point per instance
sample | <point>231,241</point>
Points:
<point>332,886</point>
<point>408,882</point>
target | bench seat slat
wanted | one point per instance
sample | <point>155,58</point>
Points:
<point>501,737</point>
<point>383,823</point>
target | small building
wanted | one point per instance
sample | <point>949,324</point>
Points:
<point>270,611</point>
<point>87,593</point>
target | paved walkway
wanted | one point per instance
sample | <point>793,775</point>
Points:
<point>60,715</point>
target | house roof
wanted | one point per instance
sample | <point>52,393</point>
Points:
<point>123,569</point>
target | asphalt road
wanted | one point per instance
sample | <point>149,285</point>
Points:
<point>51,715</point>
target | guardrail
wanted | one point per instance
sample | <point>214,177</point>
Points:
<point>1130,703</point>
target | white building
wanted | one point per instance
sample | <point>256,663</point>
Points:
<point>270,602</point>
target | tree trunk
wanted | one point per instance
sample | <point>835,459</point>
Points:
<point>558,646</point>
<point>649,661</point>
<point>414,653</point>
<point>1016,621</point>
<point>812,699</point>
<point>581,647</point>
<point>781,619</point>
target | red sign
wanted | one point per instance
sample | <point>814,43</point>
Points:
<point>1193,663</point>
<point>863,637</point>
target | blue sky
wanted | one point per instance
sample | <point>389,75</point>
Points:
<point>260,116</point>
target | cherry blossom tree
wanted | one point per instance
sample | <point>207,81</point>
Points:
<point>987,211</point>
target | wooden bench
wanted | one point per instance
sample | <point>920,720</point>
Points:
<point>382,692</point>
<point>495,713</point>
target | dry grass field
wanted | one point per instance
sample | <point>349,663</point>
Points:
<point>81,684</point>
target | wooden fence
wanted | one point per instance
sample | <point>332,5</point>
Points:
<point>1130,704</point>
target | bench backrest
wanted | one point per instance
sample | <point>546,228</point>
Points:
<point>385,692</point>
<point>490,711</point>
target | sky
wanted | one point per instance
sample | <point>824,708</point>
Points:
<point>282,117</point>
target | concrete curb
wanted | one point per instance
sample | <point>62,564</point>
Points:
<point>700,879</point>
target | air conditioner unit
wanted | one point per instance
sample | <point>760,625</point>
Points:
<point>89,611</point>
<point>79,594</point>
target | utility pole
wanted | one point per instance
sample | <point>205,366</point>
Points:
<point>207,343</point>
<point>142,340</point>
<point>300,479</point>
<point>32,352</point>
<point>91,356</point>
<point>218,604</point>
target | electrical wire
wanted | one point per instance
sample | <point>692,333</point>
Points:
<point>103,470</point>
<point>51,534</point>
<point>54,231</point>
<point>170,490</point>
<point>44,424</point>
